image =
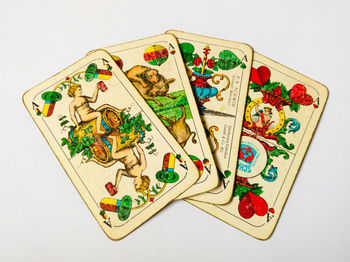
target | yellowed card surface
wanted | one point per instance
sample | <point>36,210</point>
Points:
<point>281,115</point>
<point>219,74</point>
<point>118,154</point>
<point>155,67</point>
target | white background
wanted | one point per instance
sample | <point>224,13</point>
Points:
<point>43,218</point>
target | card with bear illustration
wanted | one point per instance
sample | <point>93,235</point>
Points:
<point>219,72</point>
<point>120,157</point>
<point>282,111</point>
<point>155,67</point>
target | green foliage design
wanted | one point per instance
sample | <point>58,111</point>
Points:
<point>77,145</point>
<point>240,190</point>
<point>281,139</point>
<point>132,122</point>
<point>278,88</point>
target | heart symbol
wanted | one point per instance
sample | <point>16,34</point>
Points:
<point>252,204</point>
<point>260,76</point>
<point>298,95</point>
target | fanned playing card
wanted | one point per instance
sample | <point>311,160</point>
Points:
<point>155,67</point>
<point>219,74</point>
<point>118,154</point>
<point>282,111</point>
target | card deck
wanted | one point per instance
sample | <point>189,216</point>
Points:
<point>120,157</point>
<point>155,67</point>
<point>219,74</point>
<point>282,111</point>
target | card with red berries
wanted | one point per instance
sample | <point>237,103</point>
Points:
<point>155,68</point>
<point>218,71</point>
<point>120,157</point>
<point>282,111</point>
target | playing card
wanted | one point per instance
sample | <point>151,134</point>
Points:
<point>155,67</point>
<point>219,74</point>
<point>118,154</point>
<point>282,111</point>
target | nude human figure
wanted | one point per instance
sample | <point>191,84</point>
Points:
<point>264,117</point>
<point>80,105</point>
<point>134,166</point>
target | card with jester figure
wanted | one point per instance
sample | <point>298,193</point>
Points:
<point>155,67</point>
<point>120,157</point>
<point>282,112</point>
<point>219,75</point>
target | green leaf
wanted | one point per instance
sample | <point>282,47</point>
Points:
<point>64,122</point>
<point>294,107</point>
<point>79,147</point>
<point>240,191</point>
<point>284,94</point>
<point>61,118</point>
<point>282,141</point>
<point>143,199</point>
<point>196,69</point>
<point>270,86</point>
<point>64,141</point>
<point>208,72</point>
<point>89,154</point>
<point>254,87</point>
<point>71,147</point>
<point>190,63</point>
<point>248,100</point>
<point>148,127</point>
<point>154,190</point>
<point>215,68</point>
<point>257,190</point>
<point>150,146</point>
<point>277,152</point>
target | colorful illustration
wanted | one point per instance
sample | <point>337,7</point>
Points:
<point>179,128</point>
<point>203,71</point>
<point>265,117</point>
<point>107,135</point>
<point>92,72</point>
<point>134,166</point>
<point>154,88</point>
<point>156,55</point>
<point>167,174</point>
<point>124,206</point>
<point>115,150</point>
<point>155,68</point>
<point>218,72</point>
<point>149,82</point>
<point>118,61</point>
<point>198,163</point>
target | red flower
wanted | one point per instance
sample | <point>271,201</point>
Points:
<point>277,91</point>
<point>211,63</point>
<point>197,61</point>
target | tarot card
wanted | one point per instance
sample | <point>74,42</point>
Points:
<point>282,111</point>
<point>219,75</point>
<point>155,67</point>
<point>118,154</point>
